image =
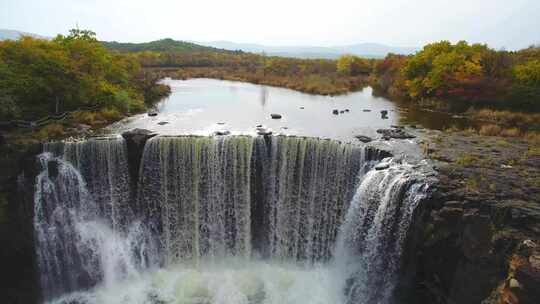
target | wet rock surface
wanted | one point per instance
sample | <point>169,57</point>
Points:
<point>363,138</point>
<point>486,205</point>
<point>135,141</point>
<point>18,170</point>
<point>396,133</point>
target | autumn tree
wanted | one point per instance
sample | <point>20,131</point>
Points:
<point>351,65</point>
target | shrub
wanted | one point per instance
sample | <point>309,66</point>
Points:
<point>507,118</point>
<point>467,160</point>
<point>86,117</point>
<point>110,114</point>
<point>469,132</point>
<point>52,131</point>
<point>512,132</point>
<point>490,130</point>
<point>8,107</point>
<point>533,137</point>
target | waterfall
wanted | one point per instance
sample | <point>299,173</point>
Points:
<point>307,186</point>
<point>195,196</point>
<point>372,238</point>
<point>103,164</point>
<point>81,214</point>
<point>293,207</point>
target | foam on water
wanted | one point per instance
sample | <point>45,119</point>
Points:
<point>227,281</point>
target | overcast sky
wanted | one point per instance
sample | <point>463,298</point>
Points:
<point>500,23</point>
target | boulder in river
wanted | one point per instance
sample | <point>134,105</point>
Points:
<point>394,133</point>
<point>335,112</point>
<point>137,136</point>
<point>366,110</point>
<point>363,138</point>
<point>83,127</point>
<point>161,123</point>
<point>222,132</point>
<point>152,113</point>
<point>263,131</point>
<point>275,116</point>
<point>382,166</point>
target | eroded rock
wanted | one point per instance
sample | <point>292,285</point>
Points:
<point>363,138</point>
<point>394,133</point>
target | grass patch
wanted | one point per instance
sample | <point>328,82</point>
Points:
<point>467,160</point>
<point>520,120</point>
<point>490,130</point>
<point>52,131</point>
<point>532,137</point>
<point>473,183</point>
<point>110,114</point>
<point>502,143</point>
<point>469,132</point>
<point>532,152</point>
<point>512,132</point>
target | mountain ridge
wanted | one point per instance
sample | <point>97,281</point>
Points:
<point>360,49</point>
<point>369,50</point>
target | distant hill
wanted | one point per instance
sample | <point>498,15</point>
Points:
<point>369,50</point>
<point>14,35</point>
<point>163,45</point>
<point>372,50</point>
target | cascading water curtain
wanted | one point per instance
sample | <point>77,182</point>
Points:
<point>289,199</point>
<point>308,184</point>
<point>194,193</point>
<point>371,241</point>
<point>85,231</point>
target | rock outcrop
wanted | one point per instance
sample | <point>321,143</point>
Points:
<point>482,211</point>
<point>135,141</point>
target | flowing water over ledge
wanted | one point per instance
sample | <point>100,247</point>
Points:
<point>234,219</point>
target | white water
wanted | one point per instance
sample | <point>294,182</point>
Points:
<point>227,281</point>
<point>222,220</point>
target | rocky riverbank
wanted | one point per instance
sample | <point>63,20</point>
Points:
<point>481,241</point>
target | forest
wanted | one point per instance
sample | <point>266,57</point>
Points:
<point>40,77</point>
<point>463,74</point>
<point>442,74</point>
<point>183,60</point>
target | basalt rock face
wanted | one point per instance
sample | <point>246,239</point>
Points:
<point>18,275</point>
<point>478,223</point>
<point>135,141</point>
<point>459,259</point>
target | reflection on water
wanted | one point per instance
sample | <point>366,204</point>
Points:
<point>203,106</point>
<point>264,95</point>
<point>414,115</point>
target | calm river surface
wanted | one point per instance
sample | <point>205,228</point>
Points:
<point>204,106</point>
